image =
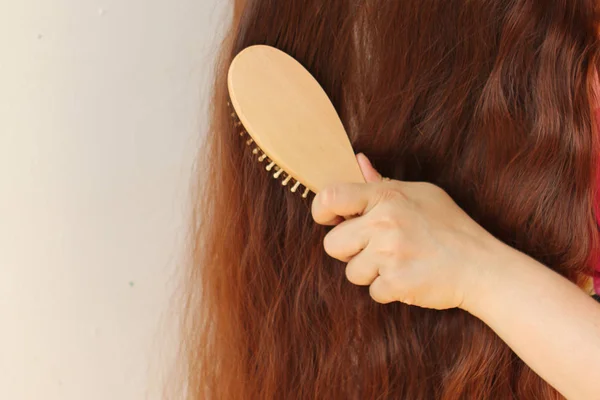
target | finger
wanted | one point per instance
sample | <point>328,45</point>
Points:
<point>343,199</point>
<point>381,291</point>
<point>347,239</point>
<point>368,171</point>
<point>335,221</point>
<point>363,268</point>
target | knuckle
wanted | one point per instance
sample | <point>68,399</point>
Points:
<point>330,194</point>
<point>328,244</point>
<point>389,278</point>
<point>390,193</point>
<point>386,271</point>
<point>393,243</point>
<point>432,189</point>
<point>332,245</point>
<point>354,276</point>
<point>314,209</point>
<point>396,284</point>
<point>350,274</point>
<point>357,274</point>
<point>377,293</point>
<point>386,218</point>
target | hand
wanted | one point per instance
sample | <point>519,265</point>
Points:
<point>410,241</point>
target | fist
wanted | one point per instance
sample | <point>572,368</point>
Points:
<point>407,241</point>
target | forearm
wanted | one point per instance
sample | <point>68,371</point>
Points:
<point>551,324</point>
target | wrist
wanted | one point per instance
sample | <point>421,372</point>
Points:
<point>488,269</point>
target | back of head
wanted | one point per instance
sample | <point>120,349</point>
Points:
<point>489,99</point>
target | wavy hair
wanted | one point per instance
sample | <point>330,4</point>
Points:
<point>489,99</point>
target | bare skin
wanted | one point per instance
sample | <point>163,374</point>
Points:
<point>412,243</point>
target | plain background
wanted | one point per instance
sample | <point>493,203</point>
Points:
<point>101,108</point>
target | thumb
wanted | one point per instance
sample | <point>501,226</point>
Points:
<point>367,169</point>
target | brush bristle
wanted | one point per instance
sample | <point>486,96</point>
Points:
<point>257,151</point>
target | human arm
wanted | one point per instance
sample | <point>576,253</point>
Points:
<point>549,322</point>
<point>412,243</point>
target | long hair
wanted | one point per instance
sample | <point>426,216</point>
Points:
<point>489,99</point>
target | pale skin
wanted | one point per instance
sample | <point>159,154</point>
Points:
<point>410,242</point>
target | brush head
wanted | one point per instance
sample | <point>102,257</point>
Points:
<point>289,116</point>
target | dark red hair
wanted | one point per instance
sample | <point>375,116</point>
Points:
<point>489,99</point>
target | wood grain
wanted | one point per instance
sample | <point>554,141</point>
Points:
<point>290,117</point>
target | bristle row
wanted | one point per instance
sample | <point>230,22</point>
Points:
<point>262,157</point>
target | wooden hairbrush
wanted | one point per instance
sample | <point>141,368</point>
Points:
<point>290,120</point>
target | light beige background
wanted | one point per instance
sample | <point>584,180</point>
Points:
<point>101,106</point>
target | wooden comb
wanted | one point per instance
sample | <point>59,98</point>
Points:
<point>289,117</point>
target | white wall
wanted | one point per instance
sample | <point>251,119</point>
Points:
<point>101,106</point>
